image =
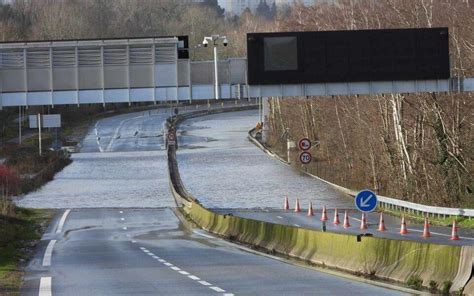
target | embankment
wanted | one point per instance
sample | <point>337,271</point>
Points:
<point>393,260</point>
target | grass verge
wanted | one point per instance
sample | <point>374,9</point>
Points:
<point>19,234</point>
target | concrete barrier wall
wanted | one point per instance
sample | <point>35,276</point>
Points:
<point>393,260</point>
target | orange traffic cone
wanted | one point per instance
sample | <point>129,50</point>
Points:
<point>346,220</point>
<point>310,209</point>
<point>336,218</point>
<point>381,223</point>
<point>324,216</point>
<point>363,222</point>
<point>403,228</point>
<point>426,229</point>
<point>454,232</point>
<point>297,206</point>
<point>286,206</point>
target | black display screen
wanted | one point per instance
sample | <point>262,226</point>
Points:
<point>348,56</point>
<point>280,53</point>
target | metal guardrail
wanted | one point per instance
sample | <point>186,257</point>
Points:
<point>384,202</point>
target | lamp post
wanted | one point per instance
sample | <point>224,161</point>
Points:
<point>214,39</point>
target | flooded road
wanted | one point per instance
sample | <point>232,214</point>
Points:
<point>123,164</point>
<point>227,171</point>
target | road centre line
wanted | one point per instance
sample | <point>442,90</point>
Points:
<point>48,253</point>
<point>193,277</point>
<point>45,286</point>
<point>62,221</point>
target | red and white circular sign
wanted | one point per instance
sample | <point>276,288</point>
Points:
<point>304,144</point>
<point>305,157</point>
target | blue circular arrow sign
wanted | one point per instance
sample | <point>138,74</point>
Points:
<point>366,201</point>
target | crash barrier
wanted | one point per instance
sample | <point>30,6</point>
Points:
<point>388,259</point>
<point>387,203</point>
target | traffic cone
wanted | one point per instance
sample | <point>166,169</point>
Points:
<point>426,229</point>
<point>381,223</point>
<point>454,232</point>
<point>310,209</point>
<point>346,220</point>
<point>297,206</point>
<point>286,207</point>
<point>363,222</point>
<point>324,216</point>
<point>403,228</point>
<point>336,218</point>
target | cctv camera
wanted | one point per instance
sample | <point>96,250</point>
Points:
<point>225,41</point>
<point>205,42</point>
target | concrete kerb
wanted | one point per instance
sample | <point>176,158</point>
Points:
<point>387,259</point>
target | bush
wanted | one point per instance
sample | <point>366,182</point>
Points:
<point>415,282</point>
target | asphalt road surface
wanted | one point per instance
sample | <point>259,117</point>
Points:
<point>116,234</point>
<point>149,252</point>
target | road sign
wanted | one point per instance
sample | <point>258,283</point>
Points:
<point>47,120</point>
<point>171,137</point>
<point>366,201</point>
<point>305,157</point>
<point>304,144</point>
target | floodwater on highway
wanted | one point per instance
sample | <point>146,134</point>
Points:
<point>228,171</point>
<point>218,165</point>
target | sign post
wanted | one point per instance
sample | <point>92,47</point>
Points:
<point>366,201</point>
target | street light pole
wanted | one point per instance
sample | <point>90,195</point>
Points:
<point>214,39</point>
<point>216,73</point>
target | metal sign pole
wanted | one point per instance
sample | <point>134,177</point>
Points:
<point>19,124</point>
<point>39,133</point>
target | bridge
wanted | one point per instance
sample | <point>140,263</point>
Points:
<point>159,69</point>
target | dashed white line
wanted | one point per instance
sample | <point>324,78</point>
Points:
<point>124,228</point>
<point>62,221</point>
<point>204,283</point>
<point>193,277</point>
<point>297,225</point>
<point>134,242</point>
<point>279,217</point>
<point>121,212</point>
<point>217,289</point>
<point>48,253</point>
<point>45,286</point>
<point>122,219</point>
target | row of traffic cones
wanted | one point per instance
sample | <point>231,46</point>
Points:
<point>363,222</point>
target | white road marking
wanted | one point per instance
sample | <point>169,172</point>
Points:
<point>117,130</point>
<point>134,242</point>
<point>121,212</point>
<point>297,225</point>
<point>193,277</point>
<point>45,286</point>
<point>122,219</point>
<point>125,228</point>
<point>279,217</point>
<point>204,283</point>
<point>48,253</point>
<point>155,257</point>
<point>217,289</point>
<point>227,294</point>
<point>62,221</point>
